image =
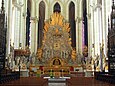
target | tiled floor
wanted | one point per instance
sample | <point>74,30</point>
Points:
<point>77,81</point>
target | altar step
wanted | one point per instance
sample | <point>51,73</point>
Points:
<point>57,84</point>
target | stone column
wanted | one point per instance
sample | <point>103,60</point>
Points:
<point>100,34</point>
<point>32,35</point>
<point>96,31</point>
<point>92,44</point>
<point>80,25</point>
<point>36,34</point>
<point>89,35</point>
<point>80,35</point>
<point>21,28</point>
<point>89,28</point>
<point>32,28</point>
<point>23,23</point>
<point>92,35</point>
<point>17,29</point>
<point>98,28</point>
<point>77,36</point>
<point>9,27</point>
<point>105,26</point>
<point>36,24</point>
<point>18,35</point>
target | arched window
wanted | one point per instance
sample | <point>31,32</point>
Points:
<point>28,22</point>
<point>57,8</point>
<point>41,23</point>
<point>72,23</point>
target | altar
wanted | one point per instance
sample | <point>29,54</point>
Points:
<point>56,71</point>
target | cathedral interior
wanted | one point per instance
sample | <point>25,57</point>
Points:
<point>57,40</point>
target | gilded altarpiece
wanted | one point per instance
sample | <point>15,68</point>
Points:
<point>56,50</point>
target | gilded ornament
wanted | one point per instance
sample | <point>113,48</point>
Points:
<point>56,19</point>
<point>73,55</point>
<point>46,26</point>
<point>39,53</point>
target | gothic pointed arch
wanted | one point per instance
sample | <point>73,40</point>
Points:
<point>57,7</point>
<point>28,22</point>
<point>72,23</point>
<point>41,22</point>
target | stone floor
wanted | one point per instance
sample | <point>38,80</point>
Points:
<point>75,81</point>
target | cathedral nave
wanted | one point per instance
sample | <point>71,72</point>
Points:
<point>58,40</point>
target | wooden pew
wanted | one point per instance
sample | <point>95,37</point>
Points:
<point>106,77</point>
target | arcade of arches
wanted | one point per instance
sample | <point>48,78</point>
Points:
<point>66,36</point>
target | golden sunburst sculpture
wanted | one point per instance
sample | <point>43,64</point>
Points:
<point>57,19</point>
